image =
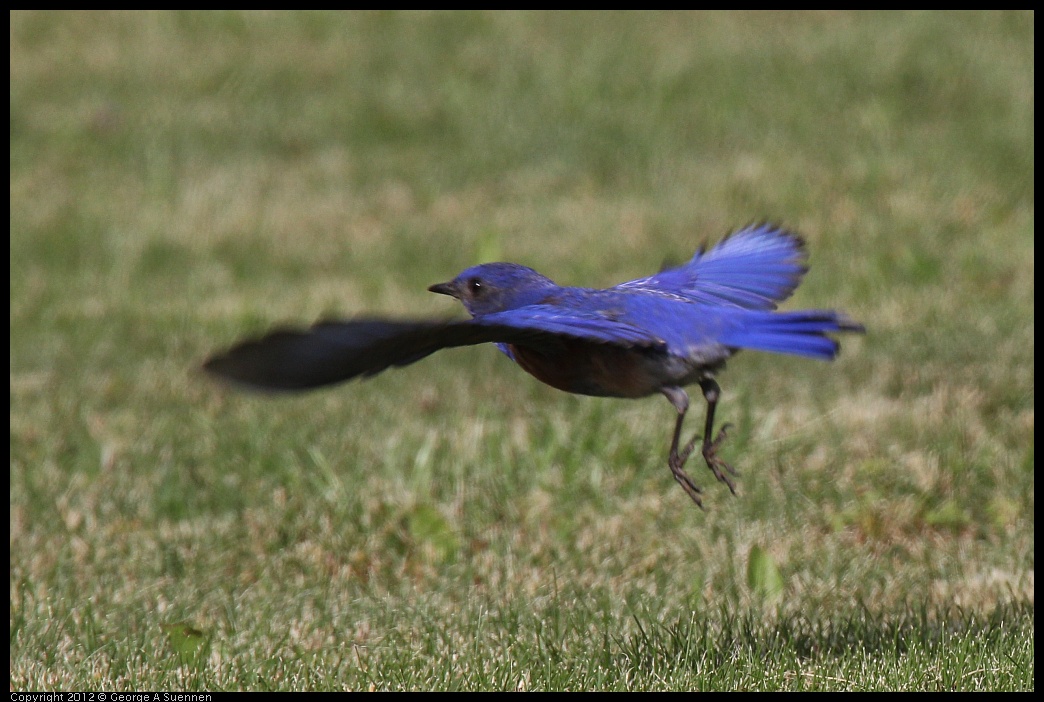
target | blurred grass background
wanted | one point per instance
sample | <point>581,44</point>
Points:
<point>179,180</point>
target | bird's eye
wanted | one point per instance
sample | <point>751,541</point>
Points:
<point>475,286</point>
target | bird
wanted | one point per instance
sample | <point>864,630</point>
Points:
<point>653,335</point>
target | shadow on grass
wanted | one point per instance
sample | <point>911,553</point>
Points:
<point>719,646</point>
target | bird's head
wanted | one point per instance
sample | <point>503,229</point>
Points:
<point>494,287</point>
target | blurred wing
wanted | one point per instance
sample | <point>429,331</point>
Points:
<point>753,268</point>
<point>336,351</point>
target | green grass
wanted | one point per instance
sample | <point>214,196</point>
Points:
<point>181,180</point>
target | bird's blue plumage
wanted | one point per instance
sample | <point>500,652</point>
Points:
<point>699,314</point>
<point>572,321</point>
<point>754,268</point>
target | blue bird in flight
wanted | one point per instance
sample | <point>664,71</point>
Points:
<point>652,335</point>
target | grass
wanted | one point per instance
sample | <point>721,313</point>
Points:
<point>180,180</point>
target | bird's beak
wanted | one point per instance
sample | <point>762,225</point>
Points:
<point>444,289</point>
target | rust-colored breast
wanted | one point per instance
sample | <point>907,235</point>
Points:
<point>584,368</point>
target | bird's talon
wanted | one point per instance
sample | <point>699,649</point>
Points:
<point>717,465</point>
<point>691,488</point>
<point>683,456</point>
<point>723,434</point>
<point>725,479</point>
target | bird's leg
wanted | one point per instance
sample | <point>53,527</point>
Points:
<point>680,399</point>
<point>711,392</point>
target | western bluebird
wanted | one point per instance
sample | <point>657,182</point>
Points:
<point>651,335</point>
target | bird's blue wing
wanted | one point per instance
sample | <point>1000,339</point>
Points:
<point>587,325</point>
<point>753,268</point>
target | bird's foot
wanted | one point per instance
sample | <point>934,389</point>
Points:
<point>717,465</point>
<point>676,461</point>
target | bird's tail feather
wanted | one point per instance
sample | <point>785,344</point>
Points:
<point>799,333</point>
